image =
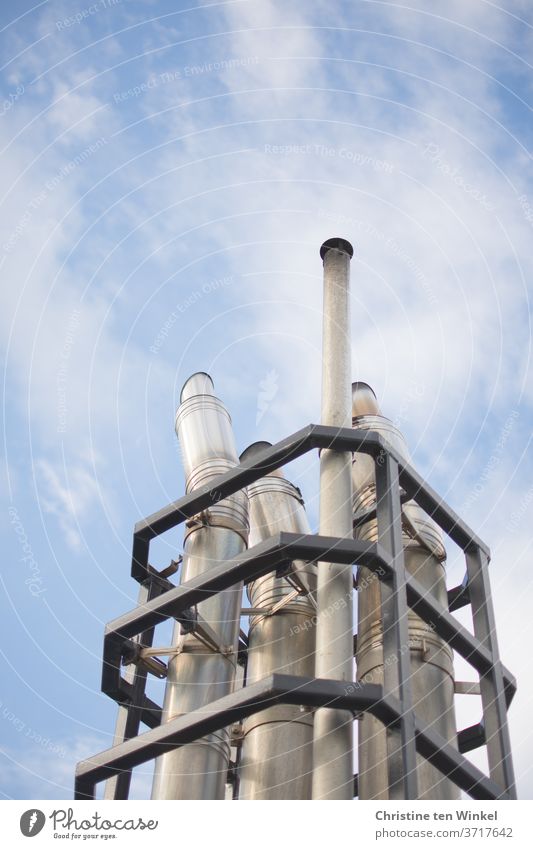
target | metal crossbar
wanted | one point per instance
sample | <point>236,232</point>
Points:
<point>301,442</point>
<point>276,689</point>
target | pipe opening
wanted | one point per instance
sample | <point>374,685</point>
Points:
<point>199,383</point>
<point>364,401</point>
<point>337,244</point>
<point>256,448</point>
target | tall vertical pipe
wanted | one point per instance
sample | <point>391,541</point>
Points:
<point>198,675</point>
<point>333,729</point>
<point>432,678</point>
<point>277,754</point>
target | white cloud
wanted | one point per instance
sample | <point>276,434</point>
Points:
<point>45,771</point>
<point>69,495</point>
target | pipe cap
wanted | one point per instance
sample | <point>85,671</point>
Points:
<point>256,448</point>
<point>199,383</point>
<point>253,449</point>
<point>364,401</point>
<point>337,244</point>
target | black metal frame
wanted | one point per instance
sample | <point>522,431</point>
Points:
<point>391,703</point>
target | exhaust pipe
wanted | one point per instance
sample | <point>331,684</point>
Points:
<point>198,673</point>
<point>277,755</point>
<point>432,676</point>
<point>333,729</point>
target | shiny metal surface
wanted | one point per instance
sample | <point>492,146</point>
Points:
<point>276,755</point>
<point>196,674</point>
<point>417,525</point>
<point>432,677</point>
<point>203,427</point>
<point>199,383</point>
<point>364,401</point>
<point>333,729</point>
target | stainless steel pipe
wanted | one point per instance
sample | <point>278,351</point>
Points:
<point>431,659</point>
<point>333,729</point>
<point>198,675</point>
<point>276,755</point>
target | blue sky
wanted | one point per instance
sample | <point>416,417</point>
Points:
<point>169,172</point>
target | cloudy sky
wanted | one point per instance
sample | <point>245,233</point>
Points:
<point>169,172</point>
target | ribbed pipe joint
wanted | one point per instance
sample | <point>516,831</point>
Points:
<point>418,527</point>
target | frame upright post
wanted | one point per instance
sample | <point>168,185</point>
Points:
<point>401,747</point>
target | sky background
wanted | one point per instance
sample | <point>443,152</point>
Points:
<point>169,172</point>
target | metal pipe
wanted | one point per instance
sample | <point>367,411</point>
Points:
<point>198,675</point>
<point>276,754</point>
<point>333,729</point>
<point>432,676</point>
